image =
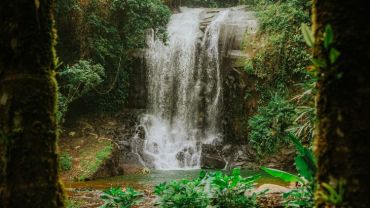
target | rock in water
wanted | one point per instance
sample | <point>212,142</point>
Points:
<point>211,157</point>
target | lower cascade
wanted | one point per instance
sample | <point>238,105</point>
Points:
<point>185,83</point>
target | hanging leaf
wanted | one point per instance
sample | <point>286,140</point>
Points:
<point>285,176</point>
<point>307,34</point>
<point>328,36</point>
<point>334,54</point>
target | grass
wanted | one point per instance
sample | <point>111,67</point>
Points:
<point>92,163</point>
<point>72,204</point>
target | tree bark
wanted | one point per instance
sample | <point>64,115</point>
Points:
<point>28,130</point>
<point>342,142</point>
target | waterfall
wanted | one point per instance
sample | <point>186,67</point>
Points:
<point>184,89</point>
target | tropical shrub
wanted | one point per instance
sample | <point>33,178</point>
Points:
<point>279,63</point>
<point>183,193</point>
<point>215,189</point>
<point>306,165</point>
<point>115,197</point>
<point>230,191</point>
<point>76,81</point>
<point>267,129</point>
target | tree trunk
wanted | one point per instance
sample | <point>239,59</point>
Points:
<point>28,158</point>
<point>342,143</point>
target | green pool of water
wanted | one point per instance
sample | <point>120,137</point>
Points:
<point>159,176</point>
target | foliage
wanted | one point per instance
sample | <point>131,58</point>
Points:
<point>183,193</point>
<point>305,112</point>
<point>107,33</point>
<point>76,81</point>
<point>285,176</point>
<point>268,127</point>
<point>306,165</point>
<point>301,196</point>
<point>282,55</point>
<point>331,54</point>
<point>65,161</point>
<point>332,194</point>
<point>230,191</point>
<point>80,78</point>
<point>72,204</point>
<point>209,189</point>
<point>115,197</point>
<point>305,160</point>
<point>280,63</point>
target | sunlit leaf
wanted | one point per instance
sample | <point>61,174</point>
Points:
<point>285,176</point>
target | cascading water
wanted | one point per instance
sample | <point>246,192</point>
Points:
<point>171,133</point>
<point>210,66</point>
<point>184,90</point>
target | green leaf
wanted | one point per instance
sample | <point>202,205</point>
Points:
<point>305,160</point>
<point>320,63</point>
<point>202,174</point>
<point>285,176</point>
<point>299,147</point>
<point>333,54</point>
<point>236,172</point>
<point>303,168</point>
<point>328,36</point>
<point>307,34</point>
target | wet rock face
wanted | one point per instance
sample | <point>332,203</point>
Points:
<point>114,166</point>
<point>138,89</point>
<point>212,157</point>
<point>130,137</point>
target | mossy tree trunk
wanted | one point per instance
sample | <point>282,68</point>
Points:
<point>342,143</point>
<point>28,158</point>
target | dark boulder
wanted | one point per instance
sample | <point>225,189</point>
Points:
<point>211,157</point>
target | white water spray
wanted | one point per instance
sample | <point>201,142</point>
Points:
<point>185,90</point>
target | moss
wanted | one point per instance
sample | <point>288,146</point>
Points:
<point>92,162</point>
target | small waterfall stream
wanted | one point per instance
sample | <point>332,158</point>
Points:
<point>185,88</point>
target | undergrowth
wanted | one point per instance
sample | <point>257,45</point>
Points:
<point>117,197</point>
<point>284,86</point>
<point>215,189</point>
